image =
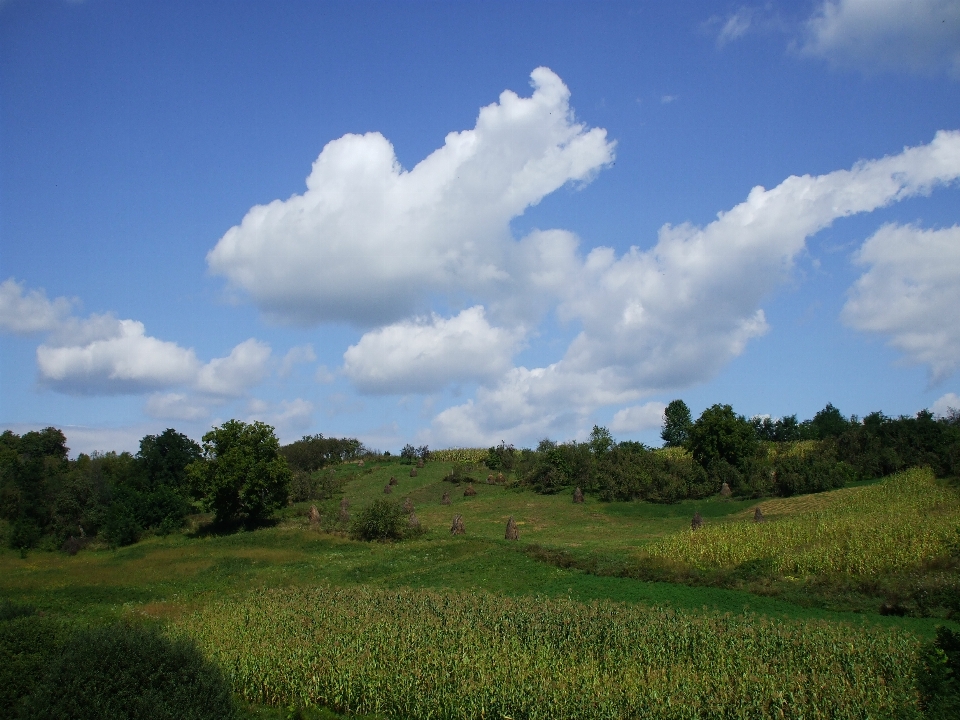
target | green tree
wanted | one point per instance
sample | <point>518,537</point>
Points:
<point>676,424</point>
<point>163,459</point>
<point>242,474</point>
<point>720,435</point>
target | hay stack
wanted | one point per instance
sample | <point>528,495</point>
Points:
<point>413,472</point>
<point>73,545</point>
<point>408,505</point>
<point>360,464</point>
<point>725,491</point>
<point>758,516</point>
<point>393,480</point>
<point>314,515</point>
<point>697,521</point>
<point>512,532</point>
<point>578,496</point>
<point>469,492</point>
<point>499,477</point>
<point>413,522</point>
<point>490,479</point>
<point>387,489</point>
<point>457,527</point>
<point>420,463</point>
<point>446,498</point>
<point>344,514</point>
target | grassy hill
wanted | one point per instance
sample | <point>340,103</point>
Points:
<point>751,616</point>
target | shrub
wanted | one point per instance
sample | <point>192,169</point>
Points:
<point>27,643</point>
<point>938,676</point>
<point>130,672</point>
<point>381,520</point>
<point>120,527</point>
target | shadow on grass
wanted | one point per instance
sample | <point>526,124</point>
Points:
<point>231,527</point>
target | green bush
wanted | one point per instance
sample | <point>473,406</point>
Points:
<point>131,673</point>
<point>27,643</point>
<point>938,676</point>
<point>382,520</point>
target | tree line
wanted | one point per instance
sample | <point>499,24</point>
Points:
<point>239,472</point>
<point>754,457</point>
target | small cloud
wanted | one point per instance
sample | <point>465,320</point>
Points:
<point>323,375</point>
<point>667,99</point>
<point>31,312</point>
<point>244,367</point>
<point>735,27</point>
<point>295,356</point>
<point>174,406</point>
<point>947,405</point>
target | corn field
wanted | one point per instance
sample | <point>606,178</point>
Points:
<point>868,531</point>
<point>473,456</point>
<point>422,654</point>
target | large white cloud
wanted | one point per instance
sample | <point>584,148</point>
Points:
<point>900,34</point>
<point>638,417</point>
<point>27,313</point>
<point>675,314</point>
<point>426,354</point>
<point>368,242</point>
<point>911,293</point>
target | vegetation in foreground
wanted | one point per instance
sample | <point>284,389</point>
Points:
<point>423,654</point>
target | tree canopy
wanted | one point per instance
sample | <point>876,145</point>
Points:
<point>242,475</point>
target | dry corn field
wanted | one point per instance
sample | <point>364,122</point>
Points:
<point>892,526</point>
<point>422,654</point>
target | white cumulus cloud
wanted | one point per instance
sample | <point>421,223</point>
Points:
<point>369,242</point>
<point>121,358</point>
<point>31,312</point>
<point>946,405</point>
<point>898,34</point>
<point>296,356</point>
<point>425,354</point>
<point>911,294</point>
<point>638,417</point>
<point>675,314</point>
<point>244,367</point>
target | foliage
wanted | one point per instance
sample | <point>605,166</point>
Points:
<point>242,474</point>
<point>409,453</point>
<point>721,436</point>
<point>163,460</point>
<point>314,486</point>
<point>677,422</point>
<point>381,520</point>
<point>418,654</point>
<point>501,458</point>
<point>129,672</point>
<point>313,452</point>
<point>631,471</point>
<point>938,676</point>
<point>898,525</point>
<point>27,643</point>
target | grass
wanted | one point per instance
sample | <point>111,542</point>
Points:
<point>182,576</point>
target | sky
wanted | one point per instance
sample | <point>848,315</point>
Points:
<point>461,223</point>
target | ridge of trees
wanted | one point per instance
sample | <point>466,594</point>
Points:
<point>754,457</point>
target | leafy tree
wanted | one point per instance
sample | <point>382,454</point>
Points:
<point>720,435</point>
<point>601,441</point>
<point>828,423</point>
<point>676,424</point>
<point>408,454</point>
<point>313,452</point>
<point>242,474</point>
<point>163,460</point>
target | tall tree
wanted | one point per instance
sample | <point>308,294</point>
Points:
<point>242,474</point>
<point>720,434</point>
<point>676,424</point>
<point>163,459</point>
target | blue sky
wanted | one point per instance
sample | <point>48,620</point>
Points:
<point>455,223</point>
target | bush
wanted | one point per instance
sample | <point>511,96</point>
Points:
<point>120,527</point>
<point>938,676</point>
<point>27,643</point>
<point>382,520</point>
<point>131,673</point>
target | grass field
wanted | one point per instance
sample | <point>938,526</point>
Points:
<point>201,583</point>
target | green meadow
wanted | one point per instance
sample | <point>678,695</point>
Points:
<point>598,610</point>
